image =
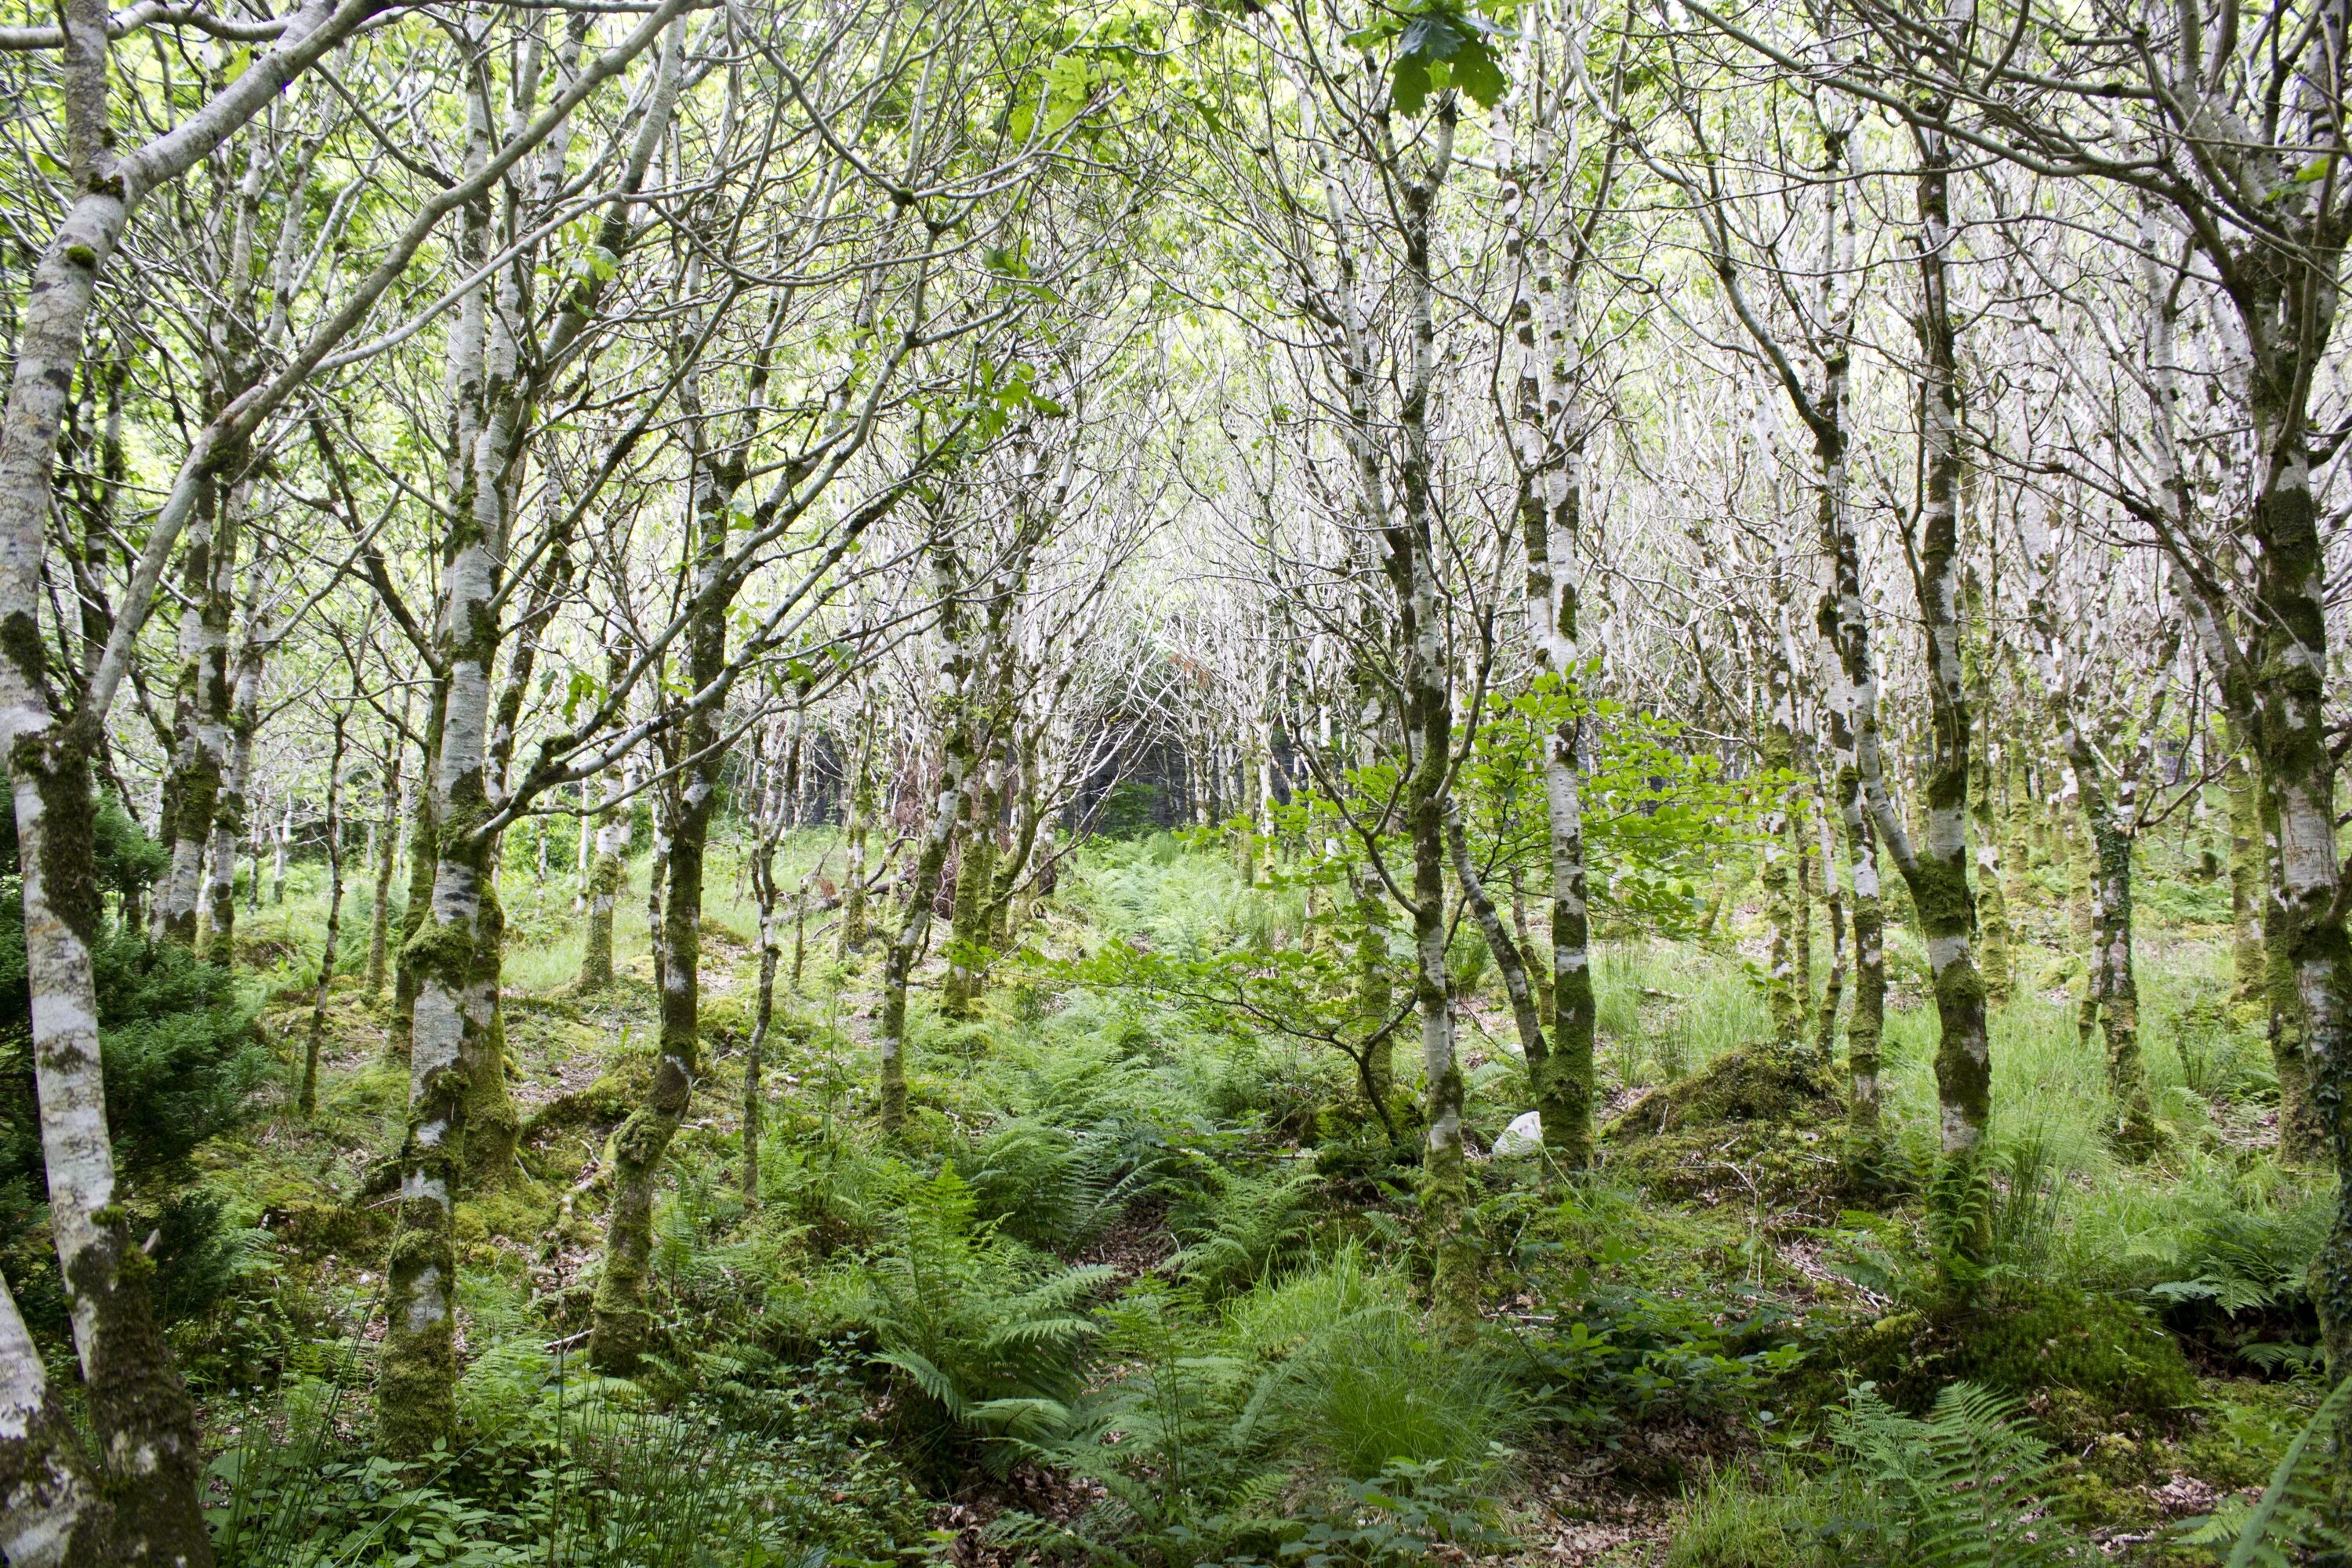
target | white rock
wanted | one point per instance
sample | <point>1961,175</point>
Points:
<point>1523,1136</point>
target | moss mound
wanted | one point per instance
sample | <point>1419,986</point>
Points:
<point>1759,1122</point>
<point>1754,1083</point>
<point>2091,1362</point>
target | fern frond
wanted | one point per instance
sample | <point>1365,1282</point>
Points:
<point>2289,1487</point>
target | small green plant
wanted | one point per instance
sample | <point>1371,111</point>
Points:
<point>1970,1487</point>
<point>2296,1518</point>
<point>1399,1519</point>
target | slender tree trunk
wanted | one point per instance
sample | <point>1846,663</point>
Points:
<point>1411,563</point>
<point>1774,834</point>
<point>1832,988</point>
<point>416,1372</point>
<point>193,788</point>
<point>1508,956</point>
<point>1993,904</point>
<point>608,874</point>
<point>387,847</point>
<point>1374,993</point>
<point>861,817</point>
<point>2245,877</point>
<point>957,675</point>
<point>423,856</point>
<point>1547,439</point>
<point>1936,872</point>
<point>622,1326</point>
<point>764,888</point>
<point>308,1103</point>
<point>230,814</point>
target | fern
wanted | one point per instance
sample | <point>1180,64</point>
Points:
<point>987,1334</point>
<point>2293,1514</point>
<point>1238,1227</point>
<point>1970,1482</point>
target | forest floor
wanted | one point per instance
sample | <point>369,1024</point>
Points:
<point>1137,1284</point>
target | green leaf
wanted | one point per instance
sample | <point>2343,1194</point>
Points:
<point>1479,74</point>
<point>1408,85</point>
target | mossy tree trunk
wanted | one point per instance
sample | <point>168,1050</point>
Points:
<point>201,709</point>
<point>1375,992</point>
<point>1851,704</point>
<point>416,1373</point>
<point>856,830</point>
<point>423,855</point>
<point>53,1506</point>
<point>1936,871</point>
<point>766,827</point>
<point>1409,562</point>
<point>137,1405</point>
<point>608,874</point>
<point>2107,802</point>
<point>957,673</point>
<point>1992,902</point>
<point>1833,917</point>
<point>2245,876</point>
<point>622,1325</point>
<point>1777,778</point>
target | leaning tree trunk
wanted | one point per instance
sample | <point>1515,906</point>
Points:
<point>53,1506</point>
